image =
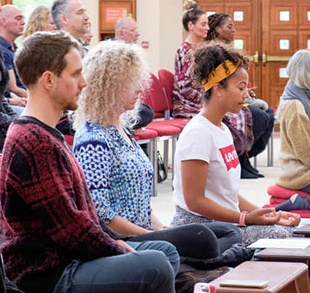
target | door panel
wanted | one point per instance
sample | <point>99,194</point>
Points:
<point>211,6</point>
<point>304,39</point>
<point>281,39</point>
<point>283,16</point>
<point>275,30</point>
<point>243,12</point>
<point>304,12</point>
<point>282,42</point>
<point>304,24</point>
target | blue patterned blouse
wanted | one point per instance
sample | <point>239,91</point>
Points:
<point>118,175</point>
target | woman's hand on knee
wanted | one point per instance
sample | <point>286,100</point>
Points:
<point>269,216</point>
<point>289,219</point>
<point>263,216</point>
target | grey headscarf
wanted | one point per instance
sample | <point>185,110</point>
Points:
<point>293,92</point>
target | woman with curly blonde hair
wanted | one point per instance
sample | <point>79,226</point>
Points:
<point>39,20</point>
<point>115,83</point>
<point>118,173</point>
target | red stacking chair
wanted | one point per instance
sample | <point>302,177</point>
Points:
<point>166,79</point>
<point>146,98</point>
<point>166,129</point>
<point>159,103</point>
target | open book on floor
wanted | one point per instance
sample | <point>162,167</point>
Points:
<point>296,242</point>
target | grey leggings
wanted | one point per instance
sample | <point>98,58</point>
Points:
<point>249,234</point>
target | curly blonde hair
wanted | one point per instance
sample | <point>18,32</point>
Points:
<point>37,21</point>
<point>113,70</point>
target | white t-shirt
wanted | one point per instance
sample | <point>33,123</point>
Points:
<point>202,140</point>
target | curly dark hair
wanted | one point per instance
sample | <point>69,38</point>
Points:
<point>191,13</point>
<point>215,20</point>
<point>209,57</point>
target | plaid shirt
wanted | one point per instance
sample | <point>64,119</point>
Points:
<point>47,215</point>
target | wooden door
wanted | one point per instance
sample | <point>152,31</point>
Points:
<point>110,11</point>
<point>245,17</point>
<point>285,29</point>
<point>271,31</point>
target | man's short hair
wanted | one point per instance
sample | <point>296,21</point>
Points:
<point>59,8</point>
<point>43,51</point>
<point>121,24</point>
<point>7,10</point>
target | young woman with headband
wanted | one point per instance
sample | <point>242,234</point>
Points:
<point>207,168</point>
<point>186,97</point>
<point>252,127</point>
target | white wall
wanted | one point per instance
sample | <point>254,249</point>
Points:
<point>148,14</point>
<point>160,24</point>
<point>92,7</point>
<point>170,31</point>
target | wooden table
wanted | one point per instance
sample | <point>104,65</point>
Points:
<point>282,277</point>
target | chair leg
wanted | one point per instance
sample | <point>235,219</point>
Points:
<point>174,142</point>
<point>153,157</point>
<point>270,151</point>
<point>166,153</point>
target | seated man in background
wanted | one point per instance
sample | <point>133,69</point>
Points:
<point>11,27</point>
<point>54,239</point>
<point>6,112</point>
<point>71,16</point>
<point>126,29</point>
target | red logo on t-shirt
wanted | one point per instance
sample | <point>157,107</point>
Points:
<point>230,156</point>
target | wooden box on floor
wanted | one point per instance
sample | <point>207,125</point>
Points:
<point>282,277</point>
<point>285,254</point>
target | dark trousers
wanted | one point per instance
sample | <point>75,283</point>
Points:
<point>199,241</point>
<point>263,122</point>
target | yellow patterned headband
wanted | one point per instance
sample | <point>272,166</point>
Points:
<point>219,74</point>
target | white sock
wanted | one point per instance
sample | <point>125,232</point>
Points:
<point>293,197</point>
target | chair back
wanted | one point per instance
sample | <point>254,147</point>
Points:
<point>157,96</point>
<point>166,78</point>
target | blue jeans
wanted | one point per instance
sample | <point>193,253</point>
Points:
<point>149,270</point>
